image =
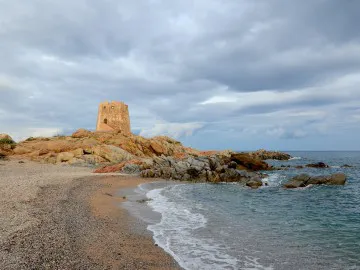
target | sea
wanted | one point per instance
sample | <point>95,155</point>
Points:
<point>229,226</point>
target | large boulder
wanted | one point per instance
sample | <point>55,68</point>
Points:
<point>337,179</point>
<point>157,148</point>
<point>247,162</point>
<point>7,145</point>
<point>81,133</point>
<point>254,183</point>
<point>112,153</point>
<point>298,181</point>
<point>64,157</point>
<point>304,180</point>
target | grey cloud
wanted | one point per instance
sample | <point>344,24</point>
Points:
<point>165,58</point>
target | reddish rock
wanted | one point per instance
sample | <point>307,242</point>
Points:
<point>81,133</point>
<point>157,148</point>
<point>118,167</point>
<point>246,161</point>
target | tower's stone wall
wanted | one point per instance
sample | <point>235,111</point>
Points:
<point>113,116</point>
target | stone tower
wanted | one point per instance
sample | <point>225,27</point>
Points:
<point>113,116</point>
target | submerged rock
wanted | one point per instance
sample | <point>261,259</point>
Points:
<point>304,180</point>
<point>254,183</point>
<point>346,166</point>
<point>318,165</point>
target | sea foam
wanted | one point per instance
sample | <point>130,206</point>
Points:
<point>295,158</point>
<point>176,234</point>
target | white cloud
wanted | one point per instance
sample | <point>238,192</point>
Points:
<point>19,134</point>
<point>270,68</point>
<point>176,130</point>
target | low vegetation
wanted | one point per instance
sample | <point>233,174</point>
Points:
<point>7,141</point>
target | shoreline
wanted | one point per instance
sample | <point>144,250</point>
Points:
<point>67,218</point>
<point>105,204</point>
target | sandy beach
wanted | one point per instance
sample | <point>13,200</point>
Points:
<point>62,217</point>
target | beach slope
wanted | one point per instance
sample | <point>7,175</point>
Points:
<point>62,217</point>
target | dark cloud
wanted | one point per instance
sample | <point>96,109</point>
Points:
<point>223,71</point>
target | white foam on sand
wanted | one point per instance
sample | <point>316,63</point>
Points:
<point>176,234</point>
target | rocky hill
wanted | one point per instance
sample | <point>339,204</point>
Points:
<point>160,156</point>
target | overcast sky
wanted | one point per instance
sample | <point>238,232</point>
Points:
<point>216,74</point>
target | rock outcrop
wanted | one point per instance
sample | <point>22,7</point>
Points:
<point>92,148</point>
<point>318,165</point>
<point>81,133</point>
<point>265,155</point>
<point>160,157</point>
<point>214,169</point>
<point>84,147</point>
<point>304,180</point>
<point>249,161</point>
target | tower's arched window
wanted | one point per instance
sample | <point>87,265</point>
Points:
<point>105,121</point>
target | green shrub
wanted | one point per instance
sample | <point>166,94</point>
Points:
<point>6,141</point>
<point>30,139</point>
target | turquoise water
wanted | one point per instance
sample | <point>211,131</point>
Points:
<point>227,226</point>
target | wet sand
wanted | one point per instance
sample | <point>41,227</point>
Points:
<point>56,217</point>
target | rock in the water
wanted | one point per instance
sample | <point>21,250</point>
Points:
<point>346,166</point>
<point>264,155</point>
<point>246,161</point>
<point>216,168</point>
<point>337,179</point>
<point>254,183</point>
<point>318,165</point>
<point>304,180</point>
<point>297,181</point>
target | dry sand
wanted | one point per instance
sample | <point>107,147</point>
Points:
<point>62,217</point>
